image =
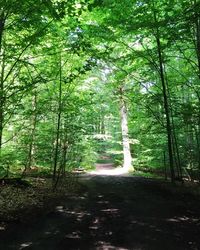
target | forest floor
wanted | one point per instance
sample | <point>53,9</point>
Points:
<point>113,212</point>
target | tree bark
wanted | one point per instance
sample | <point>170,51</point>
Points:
<point>197,24</point>
<point>102,130</point>
<point>127,164</point>
<point>165,100</point>
<point>58,122</point>
<point>2,24</point>
<point>1,107</point>
<point>175,148</point>
<point>31,153</point>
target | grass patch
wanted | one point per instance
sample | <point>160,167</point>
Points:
<point>146,174</point>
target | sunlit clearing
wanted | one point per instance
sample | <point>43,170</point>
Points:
<point>114,171</point>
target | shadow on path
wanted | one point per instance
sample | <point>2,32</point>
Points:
<point>113,212</point>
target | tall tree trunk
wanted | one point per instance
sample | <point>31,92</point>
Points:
<point>102,124</point>
<point>58,122</point>
<point>165,99</point>
<point>165,164</point>
<point>1,106</point>
<point>65,148</point>
<point>2,24</point>
<point>31,153</point>
<point>175,148</point>
<point>197,24</point>
<point>127,164</point>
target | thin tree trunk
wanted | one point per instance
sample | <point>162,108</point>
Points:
<point>65,147</point>
<point>165,164</point>
<point>165,100</point>
<point>197,24</point>
<point>31,153</point>
<point>2,24</point>
<point>175,147</point>
<point>198,149</point>
<point>102,124</point>
<point>127,164</point>
<point>1,109</point>
<point>58,122</point>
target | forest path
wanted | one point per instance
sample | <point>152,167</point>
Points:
<point>113,212</point>
<point>108,169</point>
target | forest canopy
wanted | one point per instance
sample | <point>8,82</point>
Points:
<point>83,78</point>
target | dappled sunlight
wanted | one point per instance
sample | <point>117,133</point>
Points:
<point>95,223</point>
<point>110,210</point>
<point>103,202</point>
<point>25,245</point>
<point>102,136</point>
<point>59,209</point>
<point>102,245</point>
<point>78,214</point>
<point>115,151</point>
<point>2,228</point>
<point>73,235</point>
<point>183,219</point>
<point>99,125</point>
<point>108,215</point>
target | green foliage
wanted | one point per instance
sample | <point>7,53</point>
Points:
<point>88,154</point>
<point>70,59</point>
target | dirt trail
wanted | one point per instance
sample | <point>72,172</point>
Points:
<point>113,212</point>
<point>108,169</point>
